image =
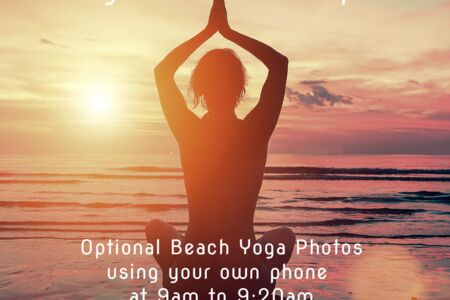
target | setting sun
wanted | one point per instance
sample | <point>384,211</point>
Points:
<point>99,102</point>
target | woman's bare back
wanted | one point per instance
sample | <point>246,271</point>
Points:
<point>223,171</point>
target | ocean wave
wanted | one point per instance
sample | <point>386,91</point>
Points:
<point>359,177</point>
<point>13,181</point>
<point>90,175</point>
<point>271,173</point>
<point>354,171</point>
<point>78,223</point>
<point>138,195</point>
<point>352,210</point>
<point>302,234</point>
<point>146,169</point>
<point>420,196</point>
<point>331,222</point>
<point>102,205</point>
<point>166,207</point>
<point>305,170</point>
<point>367,236</point>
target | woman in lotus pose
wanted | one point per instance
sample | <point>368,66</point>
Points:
<point>223,158</point>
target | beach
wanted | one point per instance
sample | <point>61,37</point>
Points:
<point>397,207</point>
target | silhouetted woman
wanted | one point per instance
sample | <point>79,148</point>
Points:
<point>223,157</point>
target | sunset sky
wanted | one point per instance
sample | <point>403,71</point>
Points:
<point>371,77</point>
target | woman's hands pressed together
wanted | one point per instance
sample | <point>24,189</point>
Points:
<point>218,18</point>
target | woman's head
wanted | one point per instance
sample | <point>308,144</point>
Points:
<point>218,81</point>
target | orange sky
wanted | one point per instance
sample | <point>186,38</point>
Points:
<point>372,77</point>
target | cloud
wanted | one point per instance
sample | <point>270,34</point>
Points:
<point>440,116</point>
<point>412,81</point>
<point>319,96</point>
<point>313,82</point>
<point>50,42</point>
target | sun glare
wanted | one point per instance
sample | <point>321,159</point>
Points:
<point>99,102</point>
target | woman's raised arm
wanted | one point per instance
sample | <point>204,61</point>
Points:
<point>172,101</point>
<point>265,114</point>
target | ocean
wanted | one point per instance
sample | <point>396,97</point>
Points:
<point>397,207</point>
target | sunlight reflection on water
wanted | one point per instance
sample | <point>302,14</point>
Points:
<point>387,273</point>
